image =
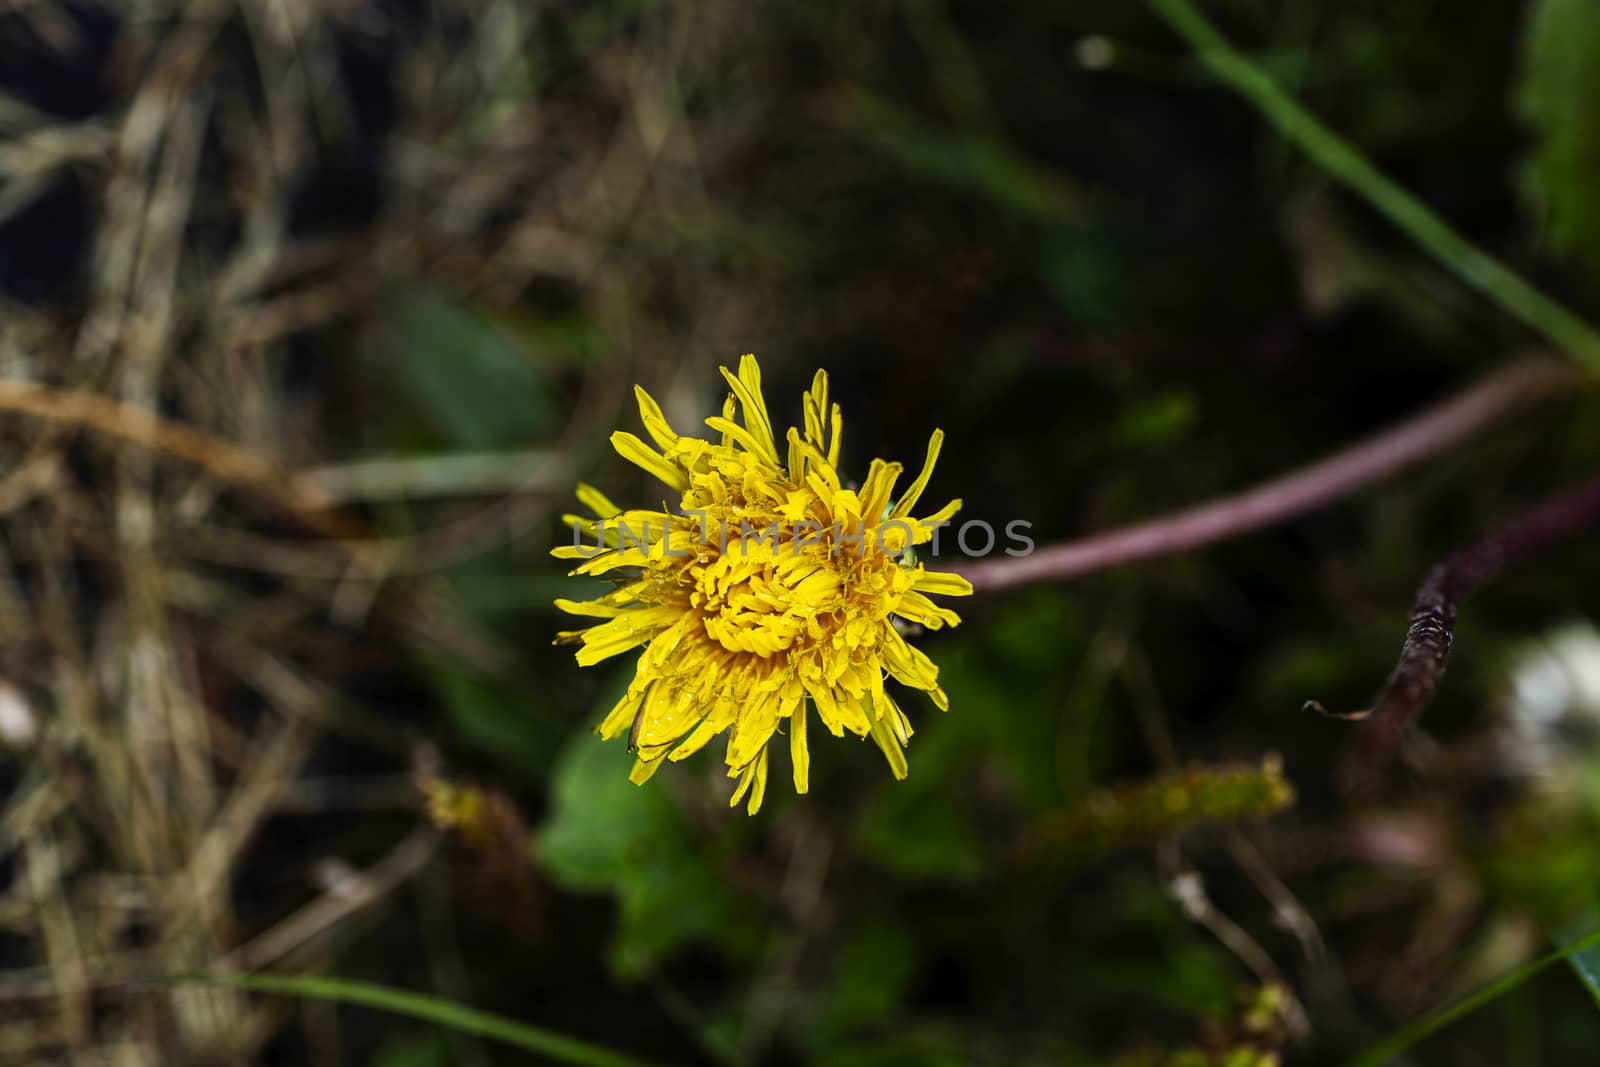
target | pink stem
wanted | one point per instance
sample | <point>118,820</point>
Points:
<point>1408,442</point>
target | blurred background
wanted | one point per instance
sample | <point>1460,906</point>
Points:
<point>277,690</point>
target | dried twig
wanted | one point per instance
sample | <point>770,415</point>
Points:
<point>460,474</point>
<point>222,459</point>
<point>1433,617</point>
<point>351,894</point>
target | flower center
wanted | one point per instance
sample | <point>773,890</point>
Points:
<point>755,599</point>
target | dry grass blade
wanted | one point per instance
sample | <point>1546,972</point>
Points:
<point>159,415</point>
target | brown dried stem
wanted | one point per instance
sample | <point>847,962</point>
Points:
<point>223,460</point>
<point>1433,617</point>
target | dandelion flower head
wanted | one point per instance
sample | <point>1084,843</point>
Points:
<point>771,590</point>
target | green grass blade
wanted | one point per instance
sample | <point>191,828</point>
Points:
<point>1346,164</point>
<point>553,1046</point>
<point>1585,962</point>
<point>1390,1047</point>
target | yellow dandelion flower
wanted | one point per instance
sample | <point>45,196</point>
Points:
<point>772,589</point>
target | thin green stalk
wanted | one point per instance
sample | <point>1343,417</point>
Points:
<point>1390,1047</point>
<point>553,1046</point>
<point>1345,163</point>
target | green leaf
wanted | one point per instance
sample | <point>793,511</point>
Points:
<point>605,834</point>
<point>875,971</point>
<point>494,718</point>
<point>1585,962</point>
<point>470,381</point>
<point>1560,97</point>
<point>926,831</point>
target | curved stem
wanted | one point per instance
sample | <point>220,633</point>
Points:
<point>1416,438</point>
<point>1344,163</point>
<point>1433,619</point>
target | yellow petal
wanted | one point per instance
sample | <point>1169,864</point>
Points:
<point>747,777</point>
<point>836,424</point>
<point>644,770</point>
<point>875,491</point>
<point>914,493</point>
<point>941,583</point>
<point>747,387</point>
<point>815,409</point>
<point>828,708</point>
<point>883,733</point>
<point>759,793</point>
<point>799,755</point>
<point>596,501</point>
<point>601,533</point>
<point>607,643</point>
<point>635,451</point>
<point>621,717</point>
<point>698,738</point>
<point>655,423</point>
<point>666,720</point>
<point>730,407</point>
<point>797,457</point>
<point>592,608</point>
<point>732,431</point>
<point>909,665</point>
<point>622,633</point>
<point>818,470</point>
<point>925,525</point>
<point>753,730</point>
<point>918,608</point>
